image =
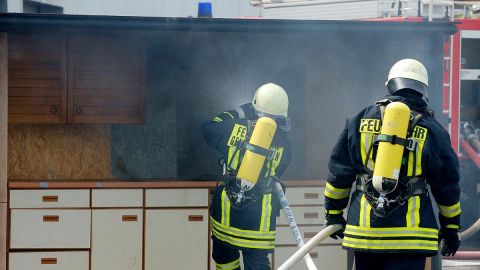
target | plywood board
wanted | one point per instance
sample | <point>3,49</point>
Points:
<point>49,152</point>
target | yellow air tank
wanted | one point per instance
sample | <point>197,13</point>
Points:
<point>252,163</point>
<point>389,155</point>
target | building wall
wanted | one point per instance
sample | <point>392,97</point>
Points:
<point>154,8</point>
<point>324,10</point>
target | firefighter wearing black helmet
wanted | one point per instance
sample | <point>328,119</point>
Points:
<point>391,223</point>
<point>243,213</point>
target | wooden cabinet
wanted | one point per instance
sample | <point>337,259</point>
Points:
<point>103,78</point>
<point>37,78</point>
<point>106,76</point>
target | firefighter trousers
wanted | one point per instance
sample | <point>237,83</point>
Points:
<point>389,261</point>
<point>227,257</point>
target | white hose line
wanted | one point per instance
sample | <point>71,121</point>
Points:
<point>471,230</point>
<point>293,225</point>
<point>317,239</point>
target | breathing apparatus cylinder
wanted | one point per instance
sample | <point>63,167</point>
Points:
<point>252,162</point>
<point>389,154</point>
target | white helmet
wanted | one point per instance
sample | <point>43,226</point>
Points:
<point>408,73</point>
<point>271,99</point>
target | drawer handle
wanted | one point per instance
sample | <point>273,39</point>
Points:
<point>311,196</point>
<point>309,234</point>
<point>48,261</point>
<point>313,254</point>
<point>129,218</point>
<point>195,217</point>
<point>51,218</point>
<point>310,215</point>
<point>50,198</point>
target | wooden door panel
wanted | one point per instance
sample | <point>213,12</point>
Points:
<point>107,80</point>
<point>37,82</point>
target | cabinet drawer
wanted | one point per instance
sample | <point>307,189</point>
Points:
<point>31,229</point>
<point>305,195</point>
<point>50,198</point>
<point>117,198</point>
<point>324,257</point>
<point>285,236</point>
<point>77,260</point>
<point>176,197</point>
<point>311,215</point>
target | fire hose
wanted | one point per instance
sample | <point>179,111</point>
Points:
<point>476,159</point>
<point>293,226</point>
<point>312,243</point>
<point>470,231</point>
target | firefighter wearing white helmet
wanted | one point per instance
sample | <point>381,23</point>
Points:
<point>393,152</point>
<point>256,153</point>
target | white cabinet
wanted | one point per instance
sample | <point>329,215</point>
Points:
<point>61,260</point>
<point>44,229</point>
<point>56,198</point>
<point>117,239</point>
<point>117,234</point>
<point>109,228</point>
<point>49,230</point>
<point>183,197</point>
<point>307,204</point>
<point>176,239</point>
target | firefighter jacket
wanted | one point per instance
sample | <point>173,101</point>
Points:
<point>252,227</point>
<point>412,227</point>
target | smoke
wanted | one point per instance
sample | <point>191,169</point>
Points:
<point>329,70</point>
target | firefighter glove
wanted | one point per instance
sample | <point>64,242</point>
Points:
<point>332,219</point>
<point>449,241</point>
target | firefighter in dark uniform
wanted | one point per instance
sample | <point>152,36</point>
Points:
<point>395,229</point>
<point>246,221</point>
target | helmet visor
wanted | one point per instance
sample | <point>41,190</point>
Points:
<point>396,84</point>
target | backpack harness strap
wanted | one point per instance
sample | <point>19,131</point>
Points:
<point>407,185</point>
